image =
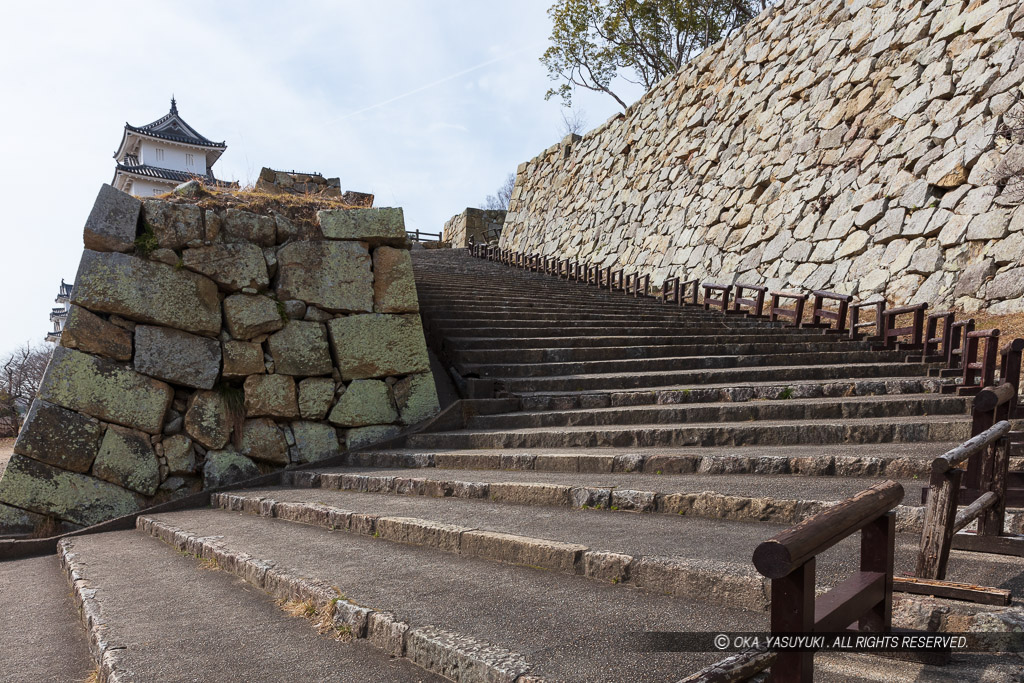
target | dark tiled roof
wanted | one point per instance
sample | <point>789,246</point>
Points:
<point>187,138</point>
<point>168,174</point>
<point>65,288</point>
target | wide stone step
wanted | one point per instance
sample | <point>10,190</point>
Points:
<point>736,393</point>
<point>43,639</point>
<point>551,303</point>
<point>575,326</point>
<point>823,431</point>
<point>571,354</point>
<point>472,619</point>
<point>498,314</point>
<point>664,337</point>
<point>769,374</point>
<point>905,461</point>
<point>580,540</point>
<point>857,407</point>
<point>155,615</point>
<point>709,361</point>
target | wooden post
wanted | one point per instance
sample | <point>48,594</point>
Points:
<point>939,516</point>
<point>877,553</point>
<point>793,613</point>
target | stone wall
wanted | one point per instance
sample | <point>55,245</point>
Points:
<point>479,225</point>
<point>290,182</point>
<point>859,146</point>
<point>207,345</point>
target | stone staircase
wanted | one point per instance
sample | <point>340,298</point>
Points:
<point>514,548</point>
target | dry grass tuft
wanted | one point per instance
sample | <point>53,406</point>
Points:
<point>299,208</point>
<point>93,677</point>
<point>47,528</point>
<point>322,619</point>
<point>209,564</point>
<point>304,609</point>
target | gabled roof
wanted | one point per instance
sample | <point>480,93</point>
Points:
<point>173,128</point>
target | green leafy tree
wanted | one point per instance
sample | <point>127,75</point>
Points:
<point>641,41</point>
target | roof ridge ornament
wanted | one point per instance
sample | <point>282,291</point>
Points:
<point>174,105</point>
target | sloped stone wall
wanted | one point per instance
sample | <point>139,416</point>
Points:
<point>859,146</point>
<point>478,225</point>
<point>207,345</point>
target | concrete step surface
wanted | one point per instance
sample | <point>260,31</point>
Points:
<point>41,637</point>
<point>158,615</point>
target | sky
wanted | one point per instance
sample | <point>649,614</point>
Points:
<point>428,105</point>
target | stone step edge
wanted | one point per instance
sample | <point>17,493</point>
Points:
<point>894,467</point>
<point>445,653</point>
<point>703,504</point>
<point>719,583</point>
<point>106,654</point>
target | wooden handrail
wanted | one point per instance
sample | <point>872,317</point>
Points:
<point>818,311</point>
<point>797,313</point>
<point>975,444</point>
<point>780,555</point>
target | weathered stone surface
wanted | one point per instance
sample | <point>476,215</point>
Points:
<point>180,456</point>
<point>126,458</point>
<point>147,292</point>
<point>250,315</point>
<point>17,521</point>
<point>177,357</point>
<point>314,441</point>
<point>416,398</point>
<point>271,396</point>
<point>458,657</point>
<point>377,345</point>
<point>227,467</point>
<point>88,332</point>
<point>232,266</point>
<point>70,496</point>
<point>175,226</point>
<point>113,222</point>
<point>263,440</point>
<point>1006,285</point>
<point>367,436</point>
<point>513,549</point>
<point>315,396</point>
<point>376,226</point>
<point>59,437</point>
<point>207,420</point>
<point>334,276</point>
<point>300,348</point>
<point>394,290</point>
<point>249,228</point>
<point>972,278</point>
<point>242,359</point>
<point>365,402</point>
<point>102,389</point>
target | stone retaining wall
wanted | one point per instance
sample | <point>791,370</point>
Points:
<point>205,346</point>
<point>478,225</point>
<point>858,146</point>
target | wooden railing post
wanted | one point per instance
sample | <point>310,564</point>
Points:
<point>877,554</point>
<point>796,313</point>
<point>793,613</point>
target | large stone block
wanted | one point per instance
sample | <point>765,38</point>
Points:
<point>243,226</point>
<point>88,332</point>
<point>180,455</point>
<point>232,266</point>
<point>416,398</point>
<point>315,396</point>
<point>105,390</point>
<point>367,436</point>
<point>365,402</point>
<point>263,440</point>
<point>250,315</point>
<point>394,290</point>
<point>301,349</point>
<point>175,226</point>
<point>377,345</point>
<point>314,441</point>
<point>69,496</point>
<point>207,419</point>
<point>147,292</point>
<point>242,359</point>
<point>126,458</point>
<point>375,226</point>
<point>59,437</point>
<point>113,222</point>
<point>334,276</point>
<point>227,467</point>
<point>177,357</point>
<point>271,396</point>
<point>1006,285</point>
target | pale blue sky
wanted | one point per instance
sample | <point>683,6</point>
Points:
<point>428,105</point>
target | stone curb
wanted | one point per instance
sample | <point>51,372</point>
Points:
<point>705,504</point>
<point>720,583</point>
<point>454,656</point>
<point>107,655</point>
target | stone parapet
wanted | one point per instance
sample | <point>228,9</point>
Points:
<point>473,225</point>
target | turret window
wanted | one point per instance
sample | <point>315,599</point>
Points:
<point>190,160</point>
<point>159,154</point>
